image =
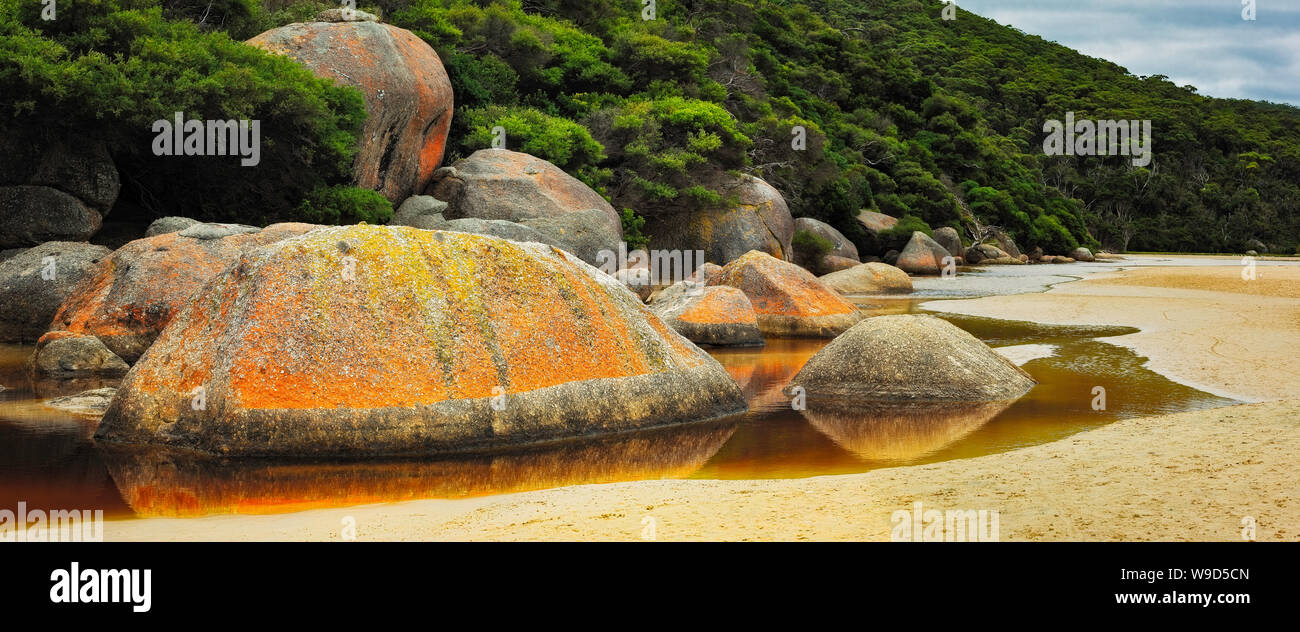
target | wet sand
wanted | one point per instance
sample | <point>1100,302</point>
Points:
<point>1189,476</point>
<point>1202,326</point>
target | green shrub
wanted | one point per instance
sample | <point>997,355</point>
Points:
<point>632,230</point>
<point>106,70</point>
<point>564,143</point>
<point>345,205</point>
<point>809,248</point>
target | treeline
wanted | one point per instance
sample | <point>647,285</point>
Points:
<point>933,121</point>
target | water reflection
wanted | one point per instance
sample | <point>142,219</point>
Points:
<point>900,432</point>
<point>159,482</point>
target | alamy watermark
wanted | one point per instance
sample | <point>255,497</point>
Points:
<point>209,138</point>
<point>654,267</point>
<point>53,525</point>
<point>932,525</point>
<point>1098,138</point>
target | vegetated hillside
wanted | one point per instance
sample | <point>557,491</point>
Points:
<point>937,122</point>
<point>907,113</point>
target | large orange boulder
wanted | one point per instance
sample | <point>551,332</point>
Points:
<point>788,300</point>
<point>370,340</point>
<point>132,294</point>
<point>408,96</point>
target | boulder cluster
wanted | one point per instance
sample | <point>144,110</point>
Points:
<point>485,315</point>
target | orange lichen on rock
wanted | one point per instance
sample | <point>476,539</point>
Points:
<point>407,91</point>
<point>135,292</point>
<point>787,299</point>
<point>397,321</point>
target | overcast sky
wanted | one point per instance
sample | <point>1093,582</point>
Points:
<point>1205,43</point>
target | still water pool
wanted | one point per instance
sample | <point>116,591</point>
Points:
<point>48,459</point>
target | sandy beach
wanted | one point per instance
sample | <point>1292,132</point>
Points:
<point>1188,476</point>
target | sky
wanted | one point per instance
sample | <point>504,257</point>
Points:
<point>1204,43</point>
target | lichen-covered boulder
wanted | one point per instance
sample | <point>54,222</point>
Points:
<point>407,92</point>
<point>760,221</point>
<point>909,358</point>
<point>923,255</point>
<point>869,278</point>
<point>370,340</point>
<point>131,295</point>
<point>499,184</point>
<point>1082,254</point>
<point>35,282</point>
<point>714,315</point>
<point>788,300</point>
<point>840,245</point>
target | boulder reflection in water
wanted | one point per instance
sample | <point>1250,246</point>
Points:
<point>162,482</point>
<point>899,431</point>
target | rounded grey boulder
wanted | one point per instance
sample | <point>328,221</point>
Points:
<point>840,245</point>
<point>910,358</point>
<point>36,281</point>
<point>948,238</point>
<point>1081,254</point>
<point>420,211</point>
<point>170,224</point>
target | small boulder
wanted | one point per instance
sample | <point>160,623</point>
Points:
<point>216,231</point>
<point>840,245</point>
<point>923,255</point>
<point>420,211</point>
<point>705,273</point>
<point>34,283</point>
<point>93,402</point>
<point>713,315</point>
<point>438,342</point>
<point>1005,243</point>
<point>788,300</point>
<point>171,224</point>
<point>345,15</point>
<point>909,358</point>
<point>869,278</point>
<point>64,354</point>
<point>947,237</point>
<point>891,257</point>
<point>1081,254</point>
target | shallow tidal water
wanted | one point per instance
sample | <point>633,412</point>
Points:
<point>48,459</point>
